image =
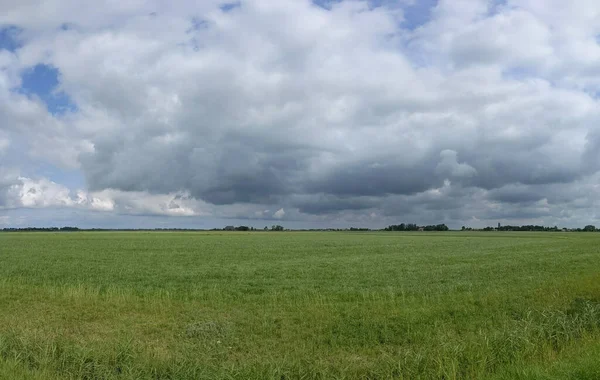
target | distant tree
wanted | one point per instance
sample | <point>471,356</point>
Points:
<point>438,227</point>
<point>69,229</point>
<point>412,227</point>
<point>276,228</point>
<point>589,228</point>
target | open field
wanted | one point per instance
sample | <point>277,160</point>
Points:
<point>299,305</point>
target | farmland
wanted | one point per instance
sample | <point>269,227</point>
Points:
<point>299,305</point>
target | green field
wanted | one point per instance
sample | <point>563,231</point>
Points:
<point>298,305</point>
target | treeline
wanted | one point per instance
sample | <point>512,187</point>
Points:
<point>73,229</point>
<point>351,229</point>
<point>530,228</point>
<point>414,227</point>
<point>66,229</point>
<point>227,228</point>
<point>534,228</point>
<point>246,228</point>
<point>38,229</point>
<point>394,227</point>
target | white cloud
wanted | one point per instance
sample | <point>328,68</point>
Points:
<point>4,144</point>
<point>41,193</point>
<point>282,105</point>
<point>279,214</point>
<point>135,203</point>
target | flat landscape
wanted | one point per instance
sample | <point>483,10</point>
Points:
<point>299,305</point>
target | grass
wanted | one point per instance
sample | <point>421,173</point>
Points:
<point>299,305</point>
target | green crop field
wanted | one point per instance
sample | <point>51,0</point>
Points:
<point>299,305</point>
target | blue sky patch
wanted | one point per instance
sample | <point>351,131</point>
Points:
<point>71,178</point>
<point>326,4</point>
<point>14,157</point>
<point>43,80</point>
<point>418,14</point>
<point>67,26</point>
<point>415,14</point>
<point>230,6</point>
<point>9,38</point>
<point>197,24</point>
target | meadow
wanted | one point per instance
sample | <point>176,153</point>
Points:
<point>299,305</point>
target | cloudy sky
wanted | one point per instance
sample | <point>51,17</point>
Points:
<point>131,113</point>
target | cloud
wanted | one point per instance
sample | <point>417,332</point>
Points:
<point>42,193</point>
<point>330,113</point>
<point>141,203</point>
<point>279,214</point>
<point>22,192</point>
<point>4,143</point>
<point>516,194</point>
<point>450,167</point>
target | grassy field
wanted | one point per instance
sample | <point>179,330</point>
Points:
<point>299,305</point>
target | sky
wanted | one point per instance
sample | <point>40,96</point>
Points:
<point>308,114</point>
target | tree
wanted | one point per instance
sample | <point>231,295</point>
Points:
<point>589,228</point>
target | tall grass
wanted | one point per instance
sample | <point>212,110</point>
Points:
<point>299,306</point>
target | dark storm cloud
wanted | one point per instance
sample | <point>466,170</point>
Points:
<point>522,168</point>
<point>219,172</point>
<point>517,194</point>
<point>257,171</point>
<point>591,156</point>
<point>330,204</point>
<point>365,179</point>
